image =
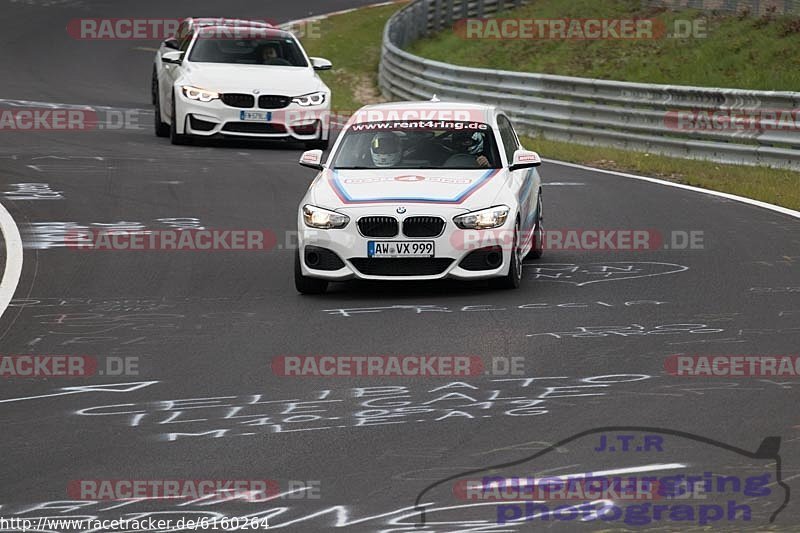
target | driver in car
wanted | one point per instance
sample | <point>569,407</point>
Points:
<point>386,149</point>
<point>270,55</point>
<point>471,143</point>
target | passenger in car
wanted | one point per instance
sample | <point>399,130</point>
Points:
<point>471,143</point>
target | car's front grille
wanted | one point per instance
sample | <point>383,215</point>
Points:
<point>271,101</point>
<point>378,226</point>
<point>488,258</point>
<point>423,226</point>
<point>238,100</point>
<point>254,127</point>
<point>406,266</point>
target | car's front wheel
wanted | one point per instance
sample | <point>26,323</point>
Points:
<point>538,234</point>
<point>162,128</point>
<point>174,136</point>
<point>305,284</point>
<point>513,279</point>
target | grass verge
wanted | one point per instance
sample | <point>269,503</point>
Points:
<point>727,51</point>
<point>352,42</point>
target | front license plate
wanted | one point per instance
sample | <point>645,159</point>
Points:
<point>400,249</point>
<point>255,116</point>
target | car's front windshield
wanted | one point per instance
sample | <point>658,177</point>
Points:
<point>422,144</point>
<point>244,48</point>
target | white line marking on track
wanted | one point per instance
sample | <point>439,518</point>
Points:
<point>13,270</point>
<point>742,199</point>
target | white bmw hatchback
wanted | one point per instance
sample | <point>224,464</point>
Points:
<point>235,78</point>
<point>419,191</point>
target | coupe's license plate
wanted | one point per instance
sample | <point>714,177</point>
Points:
<point>400,249</point>
<point>255,116</point>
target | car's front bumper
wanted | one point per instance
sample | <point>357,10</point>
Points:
<point>215,118</point>
<point>350,246</point>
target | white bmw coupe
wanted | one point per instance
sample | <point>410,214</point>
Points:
<point>419,191</point>
<point>238,78</point>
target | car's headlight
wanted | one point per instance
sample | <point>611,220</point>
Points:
<point>316,217</point>
<point>309,99</point>
<point>493,217</point>
<point>201,95</point>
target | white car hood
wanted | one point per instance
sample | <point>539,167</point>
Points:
<point>459,189</point>
<point>269,79</point>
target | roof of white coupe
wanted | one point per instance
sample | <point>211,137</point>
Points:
<point>222,21</point>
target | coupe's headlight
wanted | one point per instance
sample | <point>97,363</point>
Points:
<point>201,95</point>
<point>309,99</point>
<point>316,217</point>
<point>493,217</point>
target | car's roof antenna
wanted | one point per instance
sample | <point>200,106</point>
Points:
<point>435,99</point>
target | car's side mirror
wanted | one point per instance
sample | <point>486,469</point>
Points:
<point>320,63</point>
<point>312,159</point>
<point>525,159</point>
<point>172,43</point>
<point>172,58</point>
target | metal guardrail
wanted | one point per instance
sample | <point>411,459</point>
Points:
<point>632,116</point>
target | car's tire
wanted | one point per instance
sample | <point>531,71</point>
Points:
<point>513,279</point>
<point>162,129</point>
<point>154,87</point>
<point>175,137</point>
<point>318,145</point>
<point>538,234</point>
<point>305,284</point>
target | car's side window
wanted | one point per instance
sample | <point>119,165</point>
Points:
<point>510,143</point>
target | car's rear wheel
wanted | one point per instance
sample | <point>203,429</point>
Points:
<point>162,128</point>
<point>305,284</point>
<point>513,279</point>
<point>538,234</point>
<point>174,136</point>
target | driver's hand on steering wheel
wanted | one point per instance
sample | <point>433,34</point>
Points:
<point>482,161</point>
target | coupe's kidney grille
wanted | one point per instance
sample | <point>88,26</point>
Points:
<point>377,226</point>
<point>423,226</point>
<point>253,127</point>
<point>269,101</point>
<point>239,100</point>
<point>407,266</point>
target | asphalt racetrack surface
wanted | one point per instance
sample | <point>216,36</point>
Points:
<point>593,331</point>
